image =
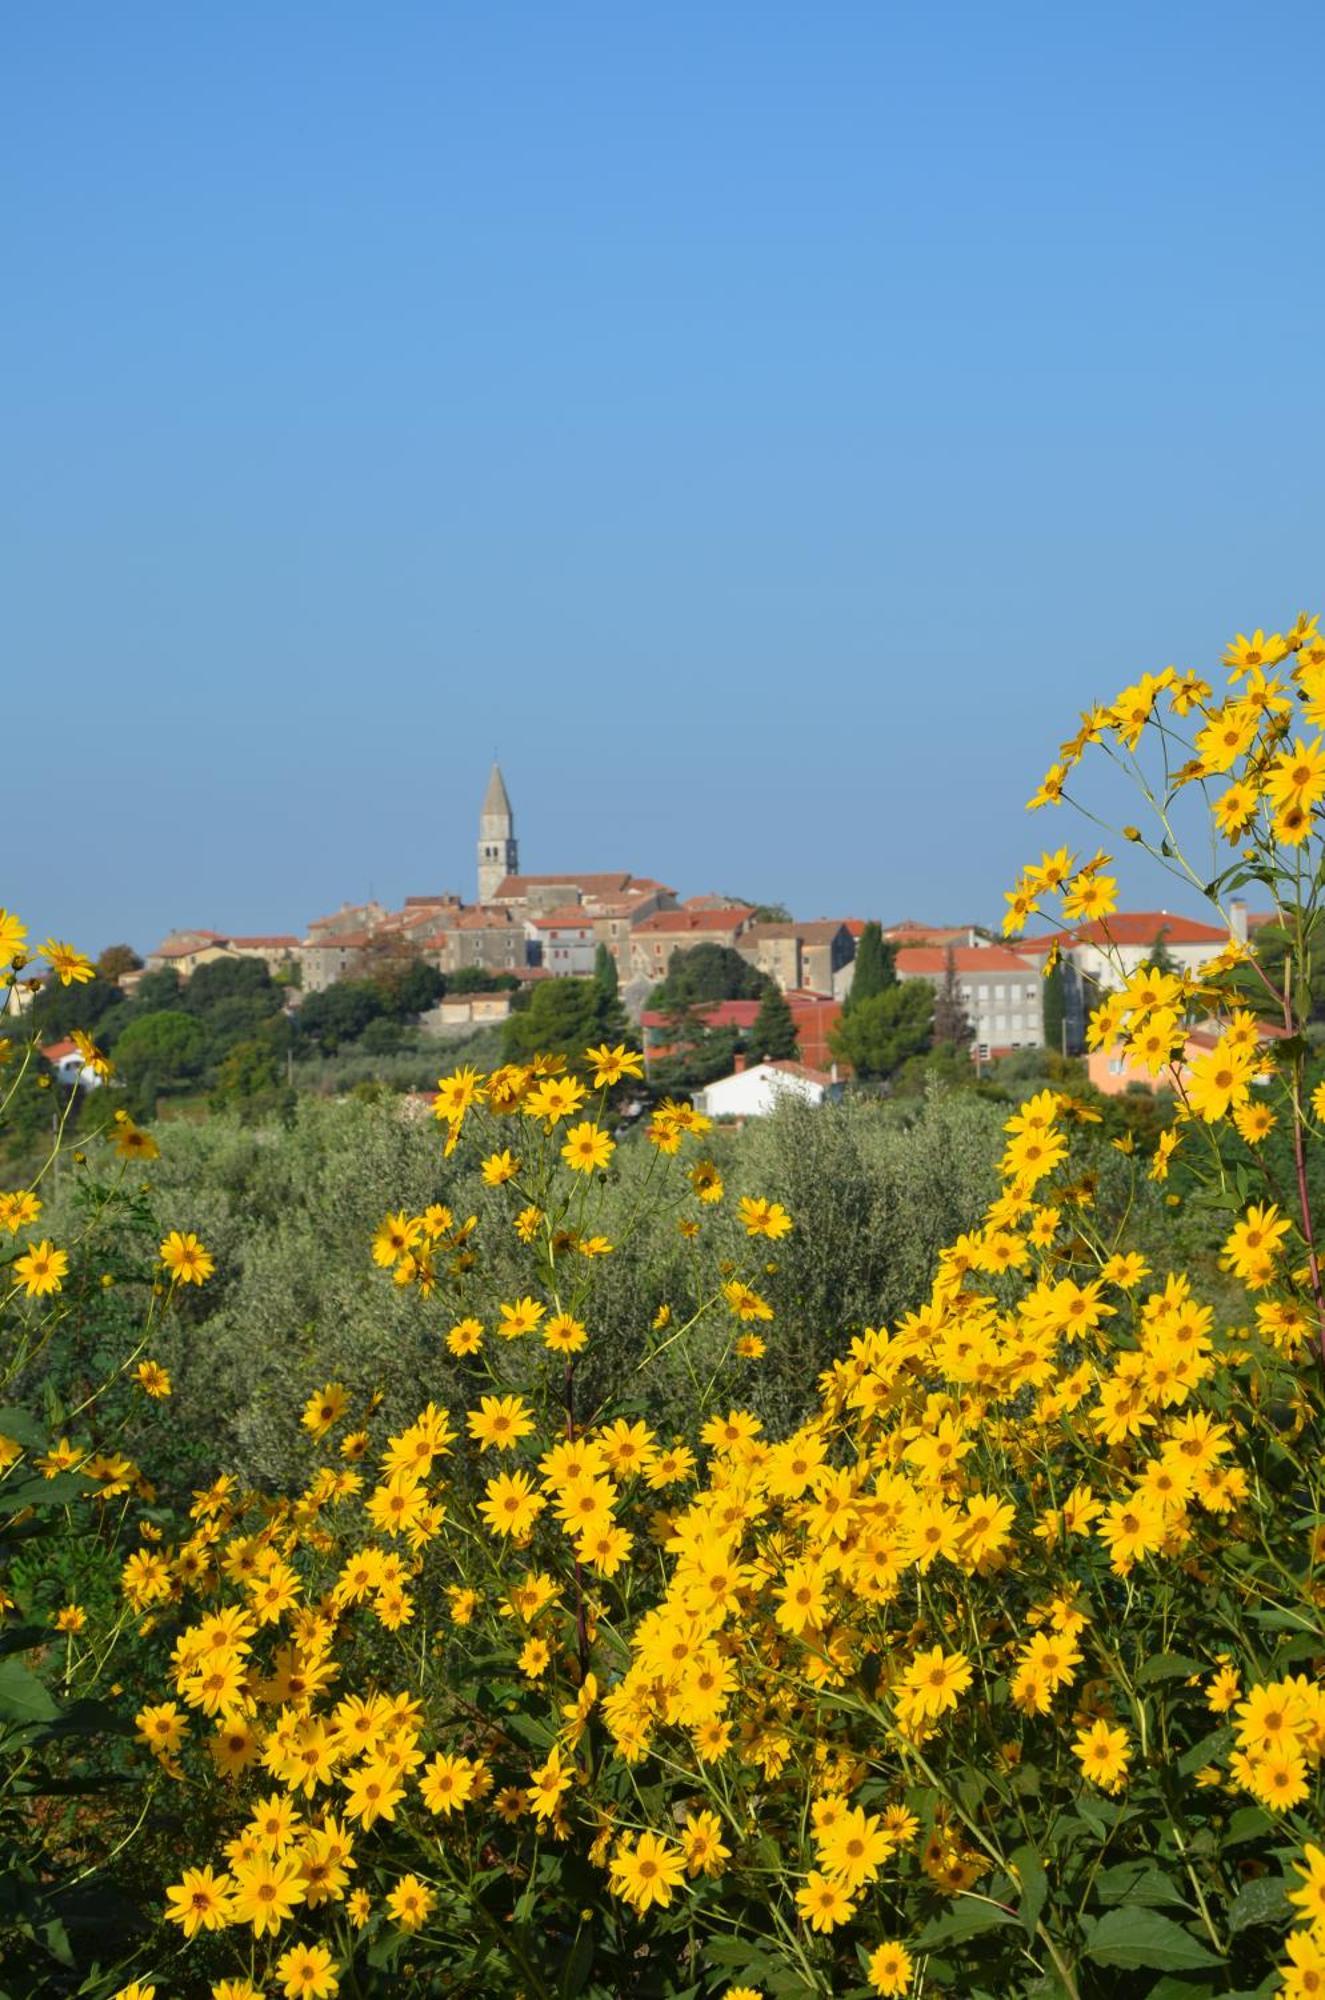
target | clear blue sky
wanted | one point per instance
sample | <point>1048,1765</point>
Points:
<point>765,425</point>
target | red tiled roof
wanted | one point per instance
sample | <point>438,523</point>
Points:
<point>1144,926</point>
<point>676,923</point>
<point>713,1013</point>
<point>1128,927</point>
<point>572,914</point>
<point>799,1069</point>
<point>257,943</point>
<point>921,960</point>
<point>56,1051</point>
<point>520,885</point>
<point>202,942</point>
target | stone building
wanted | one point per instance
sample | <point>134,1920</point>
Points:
<point>498,850</point>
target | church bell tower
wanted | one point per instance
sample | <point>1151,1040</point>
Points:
<point>498,851</point>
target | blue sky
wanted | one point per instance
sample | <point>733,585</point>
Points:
<point>766,426</point>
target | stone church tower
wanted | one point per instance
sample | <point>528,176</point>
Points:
<point>498,853</point>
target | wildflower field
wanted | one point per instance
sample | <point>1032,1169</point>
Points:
<point>994,1670</point>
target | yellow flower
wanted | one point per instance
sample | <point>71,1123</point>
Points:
<point>646,1872</point>
<point>12,934</point>
<point>1103,1753</point>
<point>500,1421</point>
<point>890,1968</point>
<point>72,1619</point>
<point>308,1972</point>
<point>324,1408</point>
<point>824,1903</point>
<point>152,1379</point>
<point>201,1900</point>
<point>610,1065</point>
<point>764,1218</point>
<point>565,1334</point>
<point>520,1318</point>
<point>69,966</point>
<point>587,1148</point>
<point>410,1902</point>
<point>185,1258</point>
<point>41,1270</point>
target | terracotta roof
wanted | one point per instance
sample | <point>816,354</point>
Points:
<point>713,1013</point>
<point>773,933</point>
<point>187,950</point>
<point>431,902</point>
<point>798,1069</point>
<point>910,932</point>
<point>1129,927</point>
<point>282,941</point>
<point>675,923</point>
<point>1144,926</point>
<point>922,960</point>
<point>1208,1038</point>
<point>572,913</point>
<point>519,885</point>
<point>786,1068</point>
<point>56,1051</point>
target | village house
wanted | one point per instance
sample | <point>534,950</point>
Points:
<point>754,1089</point>
<point>1113,1072</point>
<point>1002,994</point>
<point>653,941</point>
<point>800,956</point>
<point>1101,956</point>
<point>326,959</point>
<point>566,942</point>
<point>813,1014</point>
<point>491,938</point>
<point>184,951</point>
<point>279,952</point>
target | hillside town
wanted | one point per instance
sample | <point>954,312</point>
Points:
<point>522,927</point>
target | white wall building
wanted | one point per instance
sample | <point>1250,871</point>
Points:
<point>755,1091</point>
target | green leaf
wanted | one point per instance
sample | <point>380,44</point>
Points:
<point>1247,1823</point>
<point>22,1638</point>
<point>1167,1666</point>
<point>1144,1939</point>
<point>970,1917</point>
<point>1261,1901</point>
<point>1137,1882</point>
<point>36,1491</point>
<point>23,1698</point>
<point>22,1426</point>
<point>1207,1751</point>
<point>578,1966</point>
<point>1034,1886</point>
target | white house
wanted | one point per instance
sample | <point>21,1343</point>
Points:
<point>69,1066</point>
<point>755,1091</point>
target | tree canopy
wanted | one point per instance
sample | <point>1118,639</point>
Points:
<point>884,1030</point>
<point>774,1030</point>
<point>876,967</point>
<point>708,972</point>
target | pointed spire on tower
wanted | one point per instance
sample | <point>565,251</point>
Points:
<point>498,853</point>
<point>495,799</point>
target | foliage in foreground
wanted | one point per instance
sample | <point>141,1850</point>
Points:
<point>999,1674</point>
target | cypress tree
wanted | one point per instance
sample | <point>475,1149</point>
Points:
<point>774,1030</point>
<point>875,967</point>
